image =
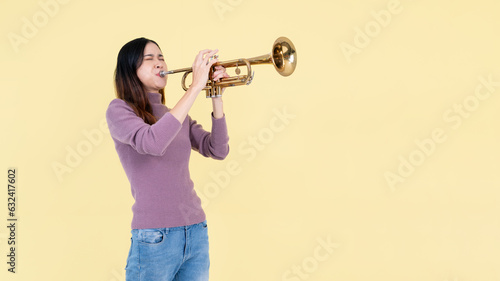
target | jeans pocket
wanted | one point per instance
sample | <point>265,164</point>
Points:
<point>151,236</point>
<point>129,253</point>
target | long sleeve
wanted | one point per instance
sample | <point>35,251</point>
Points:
<point>212,144</point>
<point>125,126</point>
<point>155,159</point>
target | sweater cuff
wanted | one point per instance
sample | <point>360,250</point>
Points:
<point>212,114</point>
<point>219,129</point>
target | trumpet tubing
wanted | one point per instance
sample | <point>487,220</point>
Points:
<point>283,56</point>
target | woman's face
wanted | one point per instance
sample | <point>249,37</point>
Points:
<point>149,71</point>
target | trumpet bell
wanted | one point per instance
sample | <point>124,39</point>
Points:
<point>284,56</point>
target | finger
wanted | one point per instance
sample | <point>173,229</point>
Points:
<point>217,77</point>
<point>209,55</point>
<point>202,53</point>
<point>220,68</point>
<point>218,72</point>
<point>212,52</point>
<point>224,75</point>
<point>200,56</point>
<point>212,62</point>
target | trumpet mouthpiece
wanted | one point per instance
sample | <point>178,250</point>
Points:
<point>164,73</point>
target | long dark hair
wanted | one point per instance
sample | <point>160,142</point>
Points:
<point>127,84</point>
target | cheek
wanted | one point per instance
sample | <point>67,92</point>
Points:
<point>141,74</point>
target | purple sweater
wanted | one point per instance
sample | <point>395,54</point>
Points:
<point>156,161</point>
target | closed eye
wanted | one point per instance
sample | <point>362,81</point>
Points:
<point>151,56</point>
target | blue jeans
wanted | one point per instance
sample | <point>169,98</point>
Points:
<point>165,254</point>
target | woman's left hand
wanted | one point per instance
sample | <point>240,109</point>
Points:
<point>220,72</point>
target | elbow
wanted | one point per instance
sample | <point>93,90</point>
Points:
<point>153,146</point>
<point>157,153</point>
<point>152,150</point>
<point>222,154</point>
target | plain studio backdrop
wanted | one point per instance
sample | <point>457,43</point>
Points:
<point>377,159</point>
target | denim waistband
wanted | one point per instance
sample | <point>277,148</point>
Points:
<point>170,229</point>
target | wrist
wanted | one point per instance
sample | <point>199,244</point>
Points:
<point>217,101</point>
<point>217,115</point>
<point>195,89</point>
<point>217,111</point>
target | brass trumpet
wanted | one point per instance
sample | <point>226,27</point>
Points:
<point>283,56</point>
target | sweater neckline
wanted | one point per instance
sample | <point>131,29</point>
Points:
<point>154,98</point>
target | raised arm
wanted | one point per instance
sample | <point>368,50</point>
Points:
<point>128,128</point>
<point>212,144</point>
<point>201,67</point>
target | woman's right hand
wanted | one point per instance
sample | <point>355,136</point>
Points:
<point>201,67</point>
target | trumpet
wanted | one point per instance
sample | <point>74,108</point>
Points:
<point>283,56</point>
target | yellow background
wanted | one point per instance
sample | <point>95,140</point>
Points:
<point>321,176</point>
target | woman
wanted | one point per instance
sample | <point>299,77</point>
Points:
<point>169,228</point>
